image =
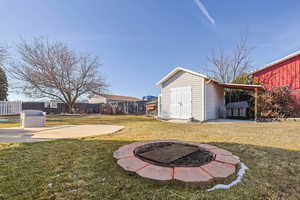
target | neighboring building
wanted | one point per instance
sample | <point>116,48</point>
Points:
<point>149,98</point>
<point>189,95</point>
<point>105,98</point>
<point>284,72</point>
<point>151,107</point>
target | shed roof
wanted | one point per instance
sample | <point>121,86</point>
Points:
<point>225,85</point>
<point>178,69</point>
<point>297,53</point>
<point>117,97</point>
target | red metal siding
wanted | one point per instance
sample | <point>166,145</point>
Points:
<point>286,73</point>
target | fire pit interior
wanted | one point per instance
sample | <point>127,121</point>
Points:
<point>171,154</point>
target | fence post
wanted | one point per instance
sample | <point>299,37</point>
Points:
<point>256,104</point>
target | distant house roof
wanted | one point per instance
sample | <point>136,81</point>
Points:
<point>297,53</point>
<point>117,97</point>
<point>152,102</point>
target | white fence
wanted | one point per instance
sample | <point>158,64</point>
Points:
<point>10,108</point>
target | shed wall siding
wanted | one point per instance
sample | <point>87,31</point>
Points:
<point>214,101</point>
<point>182,79</point>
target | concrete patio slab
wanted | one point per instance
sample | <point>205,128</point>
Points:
<point>55,132</point>
<point>76,131</point>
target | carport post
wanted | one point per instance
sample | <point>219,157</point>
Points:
<point>255,104</point>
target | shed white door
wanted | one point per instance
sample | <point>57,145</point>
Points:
<point>181,103</point>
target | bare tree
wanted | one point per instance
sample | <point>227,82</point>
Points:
<point>221,65</point>
<point>3,78</point>
<point>226,68</point>
<point>52,70</point>
<point>3,55</point>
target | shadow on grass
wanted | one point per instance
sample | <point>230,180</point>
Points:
<point>86,169</point>
<point>83,121</point>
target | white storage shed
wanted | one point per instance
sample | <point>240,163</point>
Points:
<point>189,95</point>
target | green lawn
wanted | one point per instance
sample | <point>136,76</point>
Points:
<point>85,168</point>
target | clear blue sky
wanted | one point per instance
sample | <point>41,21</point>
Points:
<point>139,41</point>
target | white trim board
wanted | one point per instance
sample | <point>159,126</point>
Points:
<point>203,99</point>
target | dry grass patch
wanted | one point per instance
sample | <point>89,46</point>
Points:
<point>85,168</point>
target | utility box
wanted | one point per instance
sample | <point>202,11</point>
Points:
<point>33,119</point>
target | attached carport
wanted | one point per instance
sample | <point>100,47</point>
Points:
<point>254,88</point>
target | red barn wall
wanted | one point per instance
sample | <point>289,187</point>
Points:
<point>286,73</point>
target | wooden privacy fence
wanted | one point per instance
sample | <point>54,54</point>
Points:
<point>117,107</point>
<point>124,107</point>
<point>58,108</point>
<point>10,108</point>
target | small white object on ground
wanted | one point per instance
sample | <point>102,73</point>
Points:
<point>240,175</point>
<point>32,118</point>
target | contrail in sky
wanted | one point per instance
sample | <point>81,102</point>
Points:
<point>204,11</point>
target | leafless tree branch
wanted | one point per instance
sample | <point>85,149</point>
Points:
<point>3,56</point>
<point>226,68</point>
<point>52,70</point>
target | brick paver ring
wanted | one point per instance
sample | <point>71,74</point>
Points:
<point>222,166</point>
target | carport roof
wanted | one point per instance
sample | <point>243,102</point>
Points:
<point>240,86</point>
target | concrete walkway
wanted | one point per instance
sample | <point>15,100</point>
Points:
<point>55,132</point>
<point>215,121</point>
<point>228,121</point>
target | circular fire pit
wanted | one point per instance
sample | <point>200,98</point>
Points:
<point>165,160</point>
<point>174,154</point>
